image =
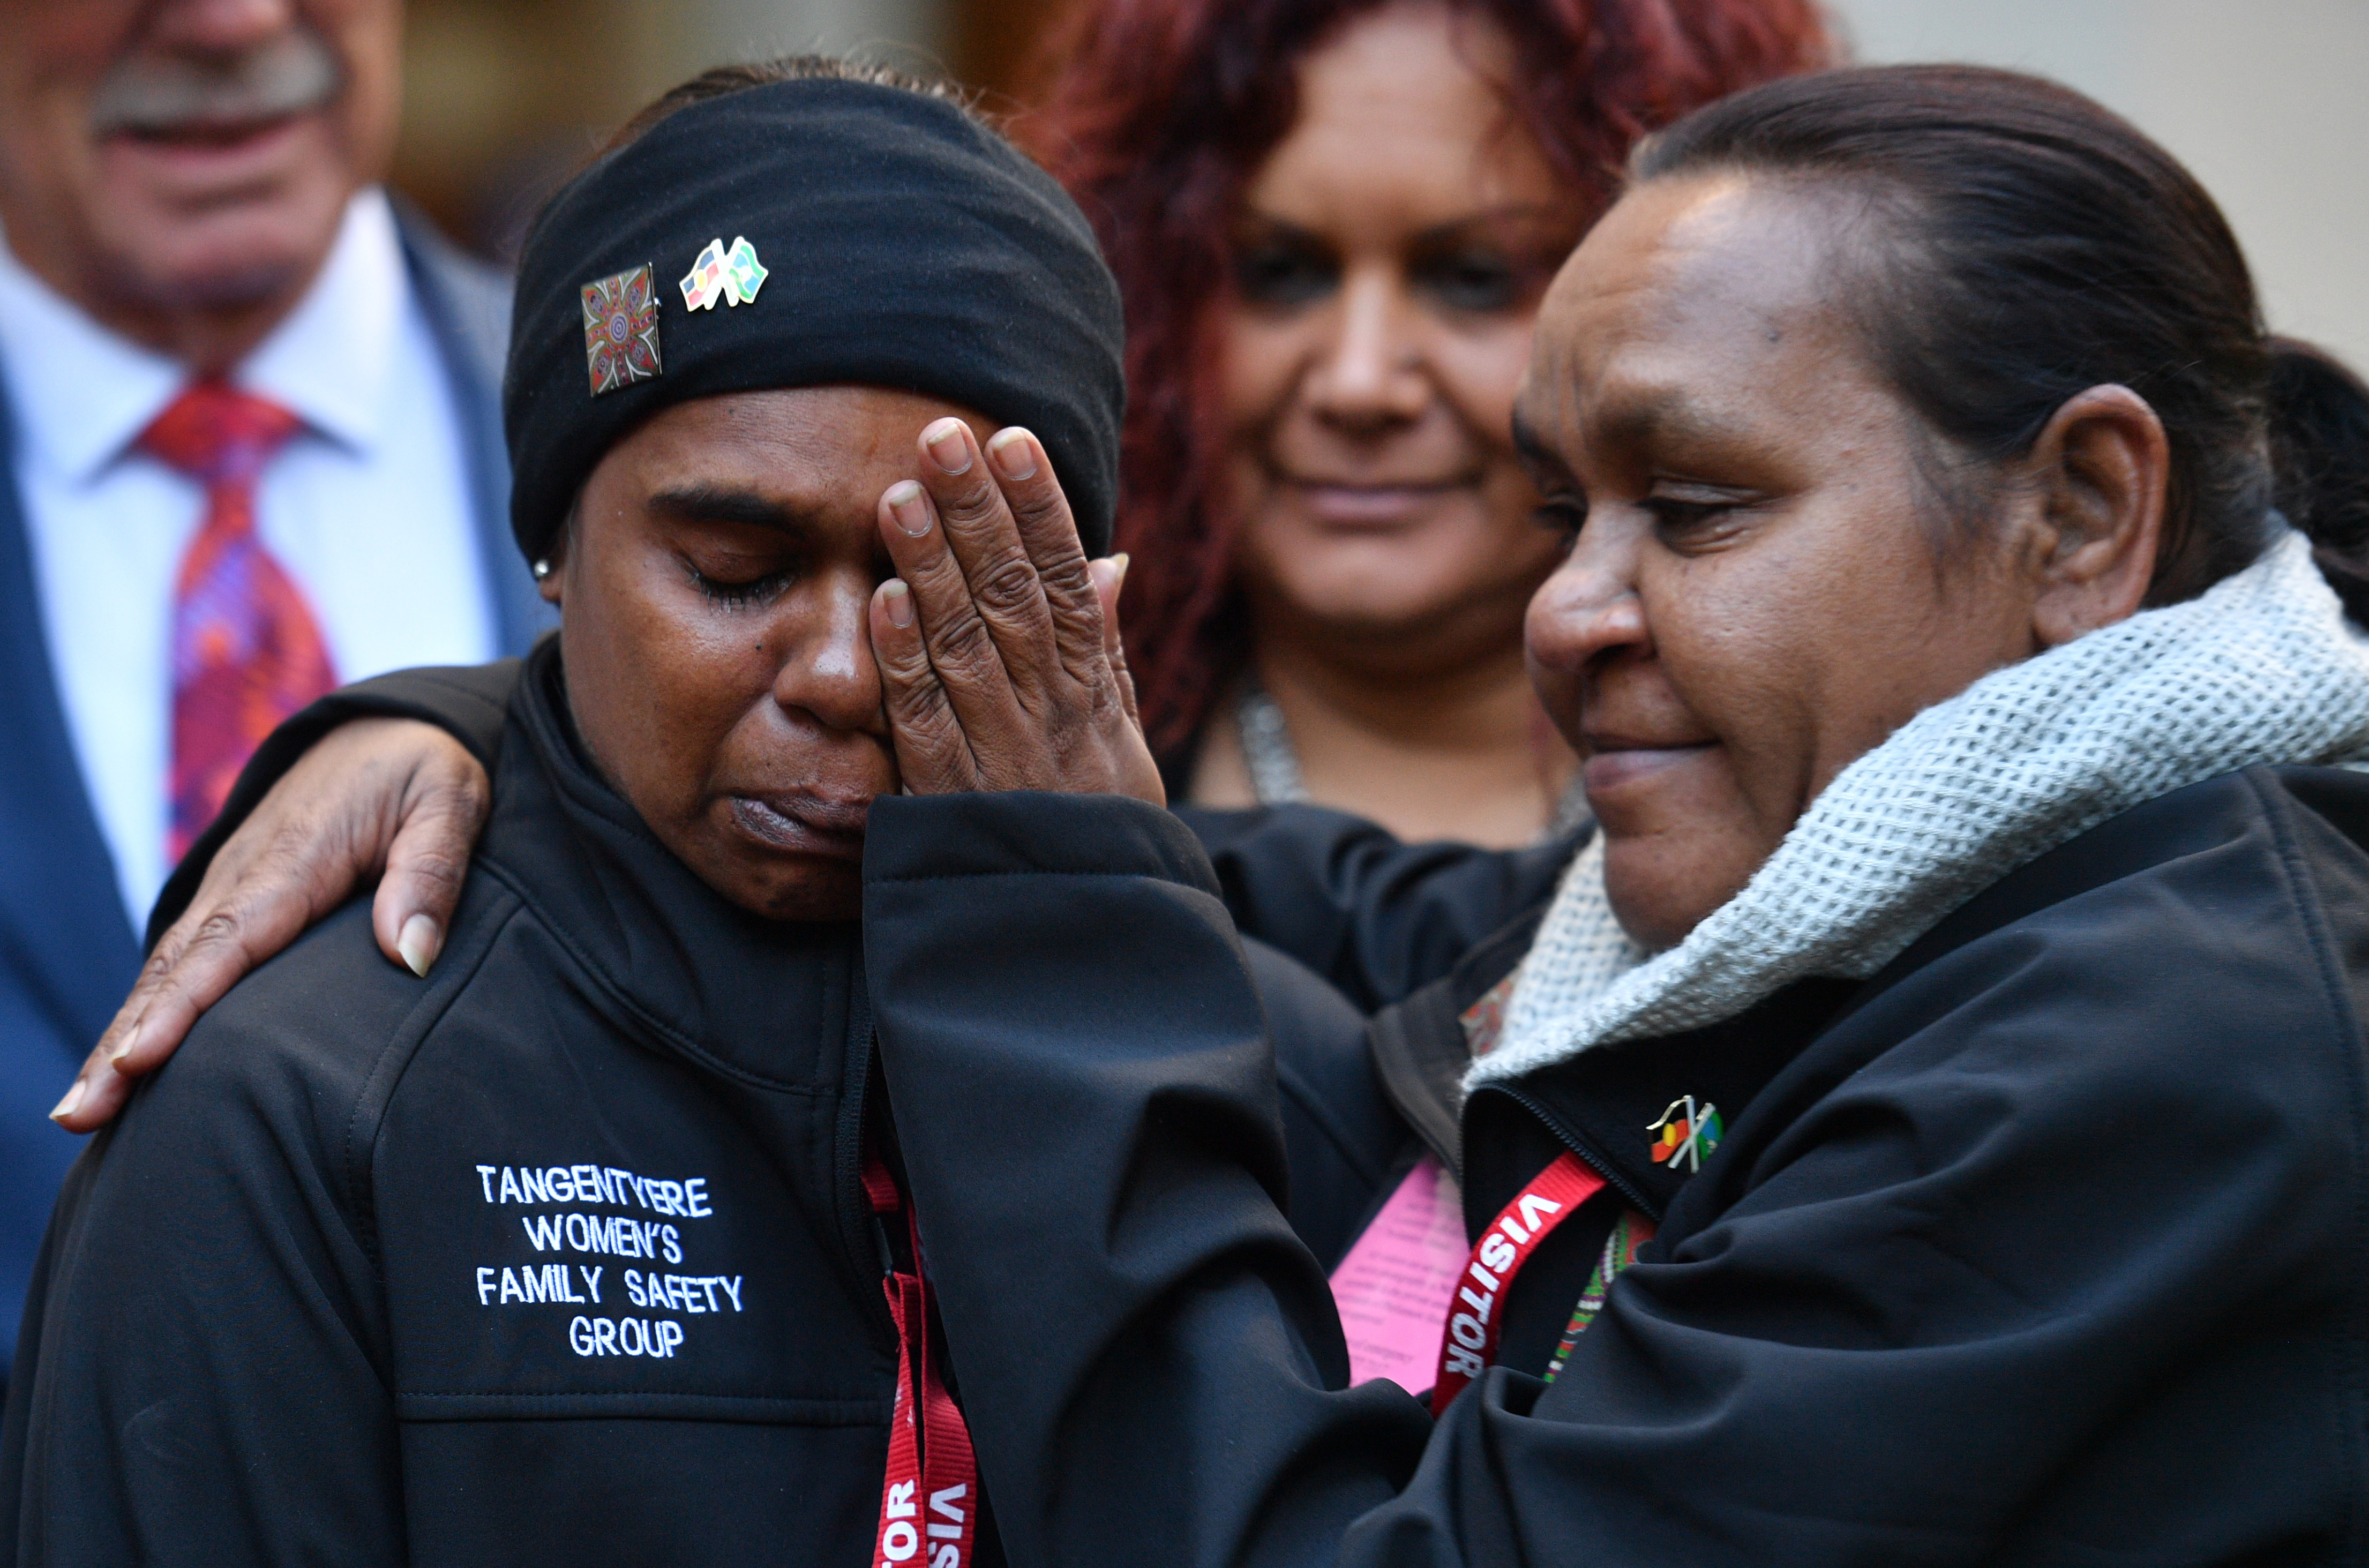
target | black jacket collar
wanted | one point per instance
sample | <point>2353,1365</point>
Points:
<point>766,1002</point>
<point>1604,1103</point>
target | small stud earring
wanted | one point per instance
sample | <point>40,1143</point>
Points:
<point>542,570</point>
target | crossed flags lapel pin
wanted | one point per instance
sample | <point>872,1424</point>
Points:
<point>733,276</point>
<point>1687,1134</point>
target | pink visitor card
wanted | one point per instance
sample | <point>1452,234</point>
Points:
<point>1393,1288</point>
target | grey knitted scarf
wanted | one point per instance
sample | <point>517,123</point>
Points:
<point>2262,668</point>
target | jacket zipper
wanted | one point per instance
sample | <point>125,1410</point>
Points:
<point>857,1221</point>
<point>1587,1152</point>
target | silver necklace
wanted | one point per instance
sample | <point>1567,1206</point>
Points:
<point>1267,750</point>
<point>1273,763</point>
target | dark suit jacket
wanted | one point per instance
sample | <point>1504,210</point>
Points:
<point>67,952</point>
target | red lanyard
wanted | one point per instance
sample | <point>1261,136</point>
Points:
<point>1468,1342</point>
<point>930,1495</point>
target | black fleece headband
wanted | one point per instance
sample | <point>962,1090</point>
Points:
<point>861,235</point>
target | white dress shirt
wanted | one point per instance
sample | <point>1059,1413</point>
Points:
<point>368,509</point>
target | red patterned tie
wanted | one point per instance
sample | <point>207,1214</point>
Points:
<point>245,651</point>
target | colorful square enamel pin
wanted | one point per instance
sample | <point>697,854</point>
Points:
<point>621,330</point>
<point>733,276</point>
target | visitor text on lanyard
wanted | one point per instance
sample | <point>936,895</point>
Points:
<point>1468,1341</point>
<point>929,1498</point>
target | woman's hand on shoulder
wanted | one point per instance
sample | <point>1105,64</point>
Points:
<point>375,794</point>
<point>998,641</point>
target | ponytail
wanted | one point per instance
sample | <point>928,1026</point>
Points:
<point>2320,450</point>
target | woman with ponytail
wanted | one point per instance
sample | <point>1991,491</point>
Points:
<point>1930,1122</point>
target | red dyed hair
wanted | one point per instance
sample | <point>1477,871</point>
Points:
<point>1157,117</point>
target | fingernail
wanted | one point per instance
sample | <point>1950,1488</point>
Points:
<point>417,944</point>
<point>945,442</point>
<point>897,601</point>
<point>1015,453</point>
<point>906,505</point>
<point>1121,559</point>
<point>122,1053</point>
<point>66,1106</point>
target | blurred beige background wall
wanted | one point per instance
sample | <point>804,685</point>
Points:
<point>2268,100</point>
<point>504,96</point>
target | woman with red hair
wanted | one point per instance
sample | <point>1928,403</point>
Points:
<point>1331,220</point>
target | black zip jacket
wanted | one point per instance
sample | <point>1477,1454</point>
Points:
<point>2044,1246</point>
<point>560,1255</point>
<point>1339,919</point>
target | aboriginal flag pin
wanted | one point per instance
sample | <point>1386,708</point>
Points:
<point>621,330</point>
<point>1687,1134</point>
<point>703,284</point>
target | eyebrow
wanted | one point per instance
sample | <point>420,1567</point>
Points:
<point>1455,228</point>
<point>1543,213</point>
<point>1534,449</point>
<point>725,503</point>
<point>1664,414</point>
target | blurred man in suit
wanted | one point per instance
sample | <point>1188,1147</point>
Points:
<point>253,452</point>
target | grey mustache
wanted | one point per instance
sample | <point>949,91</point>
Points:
<point>292,73</point>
